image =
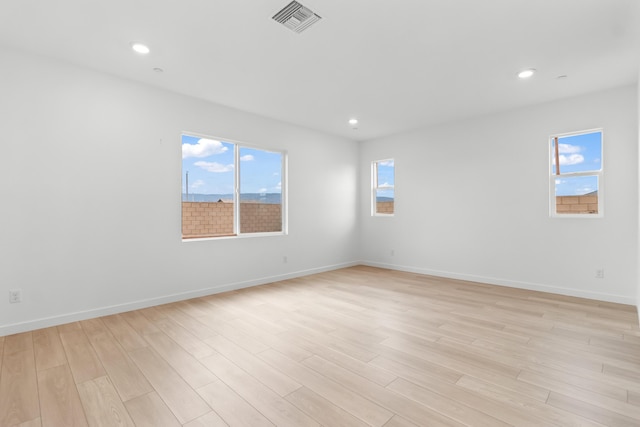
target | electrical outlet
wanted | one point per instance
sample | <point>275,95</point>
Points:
<point>285,259</point>
<point>600,273</point>
<point>15,296</point>
<point>393,252</point>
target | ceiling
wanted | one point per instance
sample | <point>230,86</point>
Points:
<point>394,64</point>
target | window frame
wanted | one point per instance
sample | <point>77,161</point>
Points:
<point>599,174</point>
<point>237,234</point>
<point>375,188</point>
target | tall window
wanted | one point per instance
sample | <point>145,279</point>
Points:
<point>229,189</point>
<point>576,174</point>
<point>383,187</point>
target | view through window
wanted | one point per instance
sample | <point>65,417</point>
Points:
<point>383,197</point>
<point>230,189</point>
<point>576,174</point>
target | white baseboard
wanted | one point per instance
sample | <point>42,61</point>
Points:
<point>61,319</point>
<point>621,299</point>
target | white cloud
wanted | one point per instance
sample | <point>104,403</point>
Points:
<point>247,158</point>
<point>572,159</point>
<point>279,186</point>
<point>568,149</point>
<point>262,190</point>
<point>385,185</point>
<point>204,148</point>
<point>585,190</point>
<point>214,167</point>
<point>569,155</point>
<point>196,184</point>
<point>386,163</point>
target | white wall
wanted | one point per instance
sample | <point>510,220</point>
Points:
<point>80,148</point>
<point>472,201</point>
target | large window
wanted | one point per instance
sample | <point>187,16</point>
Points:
<point>383,187</point>
<point>576,174</point>
<point>229,189</point>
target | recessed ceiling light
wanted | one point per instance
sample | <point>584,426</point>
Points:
<point>140,48</point>
<point>353,122</point>
<point>525,74</point>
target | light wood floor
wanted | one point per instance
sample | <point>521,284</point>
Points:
<point>353,347</point>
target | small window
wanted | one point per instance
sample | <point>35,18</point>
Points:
<point>229,189</point>
<point>383,194</point>
<point>576,174</point>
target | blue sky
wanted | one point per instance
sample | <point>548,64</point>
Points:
<point>386,178</point>
<point>210,164</point>
<point>578,153</point>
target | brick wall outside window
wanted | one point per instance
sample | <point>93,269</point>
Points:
<point>587,204</point>
<point>384,207</point>
<point>210,219</point>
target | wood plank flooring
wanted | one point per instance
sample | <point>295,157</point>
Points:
<point>354,347</point>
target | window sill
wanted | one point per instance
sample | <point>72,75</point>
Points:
<point>232,236</point>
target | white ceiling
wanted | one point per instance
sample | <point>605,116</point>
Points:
<point>393,64</point>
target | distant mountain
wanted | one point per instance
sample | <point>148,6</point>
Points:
<point>267,198</point>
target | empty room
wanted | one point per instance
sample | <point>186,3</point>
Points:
<point>319,213</point>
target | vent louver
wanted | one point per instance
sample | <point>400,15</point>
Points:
<point>296,17</point>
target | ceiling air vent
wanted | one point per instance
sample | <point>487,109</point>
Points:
<point>296,17</point>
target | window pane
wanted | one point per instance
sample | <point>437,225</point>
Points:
<point>576,195</point>
<point>386,176</point>
<point>384,201</point>
<point>207,187</point>
<point>385,186</point>
<point>578,153</point>
<point>260,191</point>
